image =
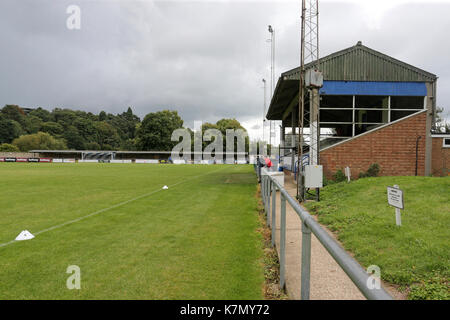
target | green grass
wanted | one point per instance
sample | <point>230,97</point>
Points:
<point>415,256</point>
<point>197,240</point>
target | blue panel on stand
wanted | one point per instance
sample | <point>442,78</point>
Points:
<point>373,88</point>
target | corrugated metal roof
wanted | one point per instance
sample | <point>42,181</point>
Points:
<point>360,63</point>
<point>357,63</point>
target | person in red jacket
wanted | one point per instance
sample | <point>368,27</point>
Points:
<point>269,163</point>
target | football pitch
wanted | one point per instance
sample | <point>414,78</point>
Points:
<point>130,238</point>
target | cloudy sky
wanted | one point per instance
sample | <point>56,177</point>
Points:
<point>205,59</point>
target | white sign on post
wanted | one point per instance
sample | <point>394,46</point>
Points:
<point>395,199</point>
<point>348,173</point>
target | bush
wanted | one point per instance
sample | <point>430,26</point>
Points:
<point>327,181</point>
<point>373,171</point>
<point>339,176</point>
<point>40,140</point>
<point>6,147</point>
<point>362,175</point>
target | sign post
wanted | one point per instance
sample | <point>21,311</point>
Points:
<point>348,174</point>
<point>395,199</point>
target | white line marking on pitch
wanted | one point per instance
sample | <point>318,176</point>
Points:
<point>109,208</point>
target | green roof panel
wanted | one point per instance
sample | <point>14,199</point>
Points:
<point>360,63</point>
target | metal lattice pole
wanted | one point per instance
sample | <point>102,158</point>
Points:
<point>309,53</point>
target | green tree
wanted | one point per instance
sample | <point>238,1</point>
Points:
<point>156,130</point>
<point>233,124</point>
<point>32,124</point>
<point>6,147</point>
<point>64,117</point>
<point>91,116</point>
<point>9,130</point>
<point>86,129</point>
<point>13,112</point>
<point>129,145</point>
<point>39,141</point>
<point>207,126</point>
<point>102,116</point>
<point>53,128</point>
<point>224,124</point>
<point>107,136</point>
<point>131,121</point>
<point>73,138</point>
<point>42,114</point>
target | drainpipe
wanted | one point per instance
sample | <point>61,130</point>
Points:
<point>417,151</point>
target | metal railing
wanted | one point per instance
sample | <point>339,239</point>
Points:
<point>351,267</point>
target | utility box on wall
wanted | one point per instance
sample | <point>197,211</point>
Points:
<point>313,176</point>
<point>313,78</point>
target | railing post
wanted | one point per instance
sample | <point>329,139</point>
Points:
<point>262,191</point>
<point>282,240</point>
<point>306,261</point>
<point>259,172</point>
<point>268,199</point>
<point>274,212</point>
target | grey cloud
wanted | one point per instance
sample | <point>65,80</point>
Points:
<point>204,59</point>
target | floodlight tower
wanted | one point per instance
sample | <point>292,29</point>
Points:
<point>264,111</point>
<point>310,82</point>
<point>272,75</point>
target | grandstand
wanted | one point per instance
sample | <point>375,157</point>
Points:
<point>162,156</point>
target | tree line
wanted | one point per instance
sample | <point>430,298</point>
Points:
<point>24,129</point>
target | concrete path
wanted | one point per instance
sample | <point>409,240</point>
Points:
<point>328,280</point>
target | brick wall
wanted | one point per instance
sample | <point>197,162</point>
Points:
<point>440,158</point>
<point>393,147</point>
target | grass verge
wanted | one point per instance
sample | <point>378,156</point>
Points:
<point>271,262</point>
<point>416,256</point>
